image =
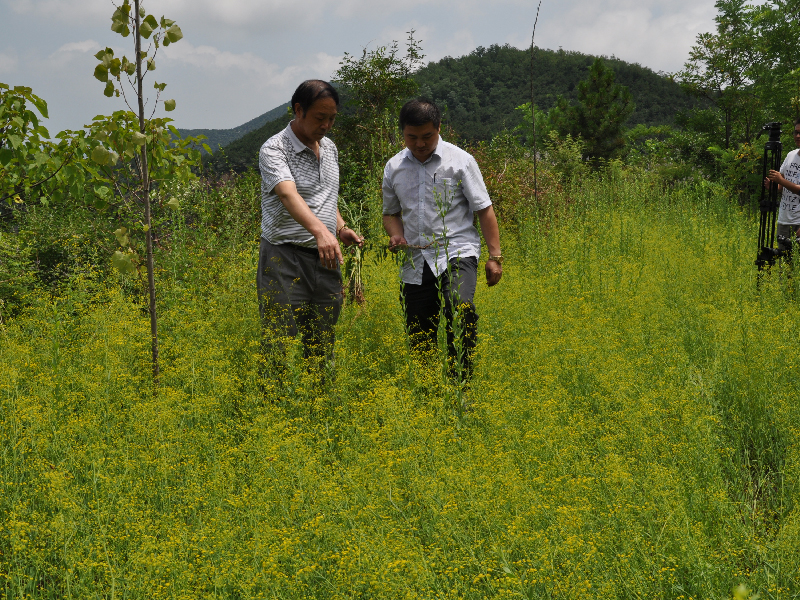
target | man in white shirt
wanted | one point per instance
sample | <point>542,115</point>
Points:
<point>788,180</point>
<point>431,192</point>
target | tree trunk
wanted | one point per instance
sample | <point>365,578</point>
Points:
<point>145,173</point>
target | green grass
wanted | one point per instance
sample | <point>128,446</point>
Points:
<point>633,430</point>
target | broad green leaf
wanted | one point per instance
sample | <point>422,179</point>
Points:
<point>5,156</point>
<point>115,66</point>
<point>100,203</point>
<point>166,41</point>
<point>174,204</point>
<point>160,86</point>
<point>207,148</point>
<point>166,23</point>
<point>145,228</point>
<point>101,72</point>
<point>101,191</point>
<point>100,155</point>
<point>14,140</point>
<point>142,12</point>
<point>174,34</point>
<point>109,91</point>
<point>122,262</point>
<point>122,236</point>
<point>40,105</point>
<point>138,138</point>
<point>130,69</point>
<point>145,29</point>
<point>169,105</point>
<point>120,27</point>
<point>151,64</point>
<point>151,20</point>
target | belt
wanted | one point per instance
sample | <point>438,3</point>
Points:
<point>305,249</point>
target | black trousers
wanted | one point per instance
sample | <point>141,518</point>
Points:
<point>423,307</point>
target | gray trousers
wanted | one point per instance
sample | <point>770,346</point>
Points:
<point>296,294</point>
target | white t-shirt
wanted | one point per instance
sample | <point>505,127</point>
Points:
<point>789,213</point>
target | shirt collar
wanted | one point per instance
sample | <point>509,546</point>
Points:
<point>297,145</point>
<point>436,151</point>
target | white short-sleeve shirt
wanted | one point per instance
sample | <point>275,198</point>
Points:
<point>283,157</point>
<point>789,213</point>
<point>436,200</point>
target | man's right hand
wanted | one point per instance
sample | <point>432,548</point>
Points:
<point>330,254</point>
<point>396,242</point>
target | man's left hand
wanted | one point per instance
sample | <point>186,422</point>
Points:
<point>494,271</point>
<point>350,238</point>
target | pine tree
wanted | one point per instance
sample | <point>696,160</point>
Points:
<point>599,116</point>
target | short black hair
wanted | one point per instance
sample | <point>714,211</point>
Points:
<point>419,111</point>
<point>312,90</point>
<point>797,121</point>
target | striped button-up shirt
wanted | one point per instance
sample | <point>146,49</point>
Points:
<point>437,200</point>
<point>283,157</point>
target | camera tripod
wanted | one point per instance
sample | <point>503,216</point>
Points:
<point>767,254</point>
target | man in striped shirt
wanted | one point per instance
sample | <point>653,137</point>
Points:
<point>299,278</point>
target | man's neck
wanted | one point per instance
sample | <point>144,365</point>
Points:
<point>313,145</point>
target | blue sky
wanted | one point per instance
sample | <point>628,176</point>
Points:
<point>240,58</point>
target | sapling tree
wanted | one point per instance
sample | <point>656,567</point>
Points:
<point>374,87</point>
<point>149,150</point>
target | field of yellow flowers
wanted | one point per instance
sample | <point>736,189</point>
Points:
<point>632,427</point>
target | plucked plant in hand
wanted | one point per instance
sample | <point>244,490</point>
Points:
<point>151,150</point>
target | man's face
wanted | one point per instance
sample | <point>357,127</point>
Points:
<point>797,135</point>
<point>421,140</point>
<point>316,121</point>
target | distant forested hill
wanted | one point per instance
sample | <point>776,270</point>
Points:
<point>242,154</point>
<point>223,137</point>
<point>481,90</point>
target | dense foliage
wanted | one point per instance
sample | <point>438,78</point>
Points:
<point>598,116</point>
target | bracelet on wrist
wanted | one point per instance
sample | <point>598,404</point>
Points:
<point>498,259</point>
<point>339,231</point>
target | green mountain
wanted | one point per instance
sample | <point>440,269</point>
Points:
<point>223,137</point>
<point>479,94</point>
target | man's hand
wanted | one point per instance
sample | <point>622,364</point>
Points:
<point>351,238</point>
<point>396,242</point>
<point>329,252</point>
<point>774,176</point>
<point>494,271</point>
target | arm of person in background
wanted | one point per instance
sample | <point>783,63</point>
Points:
<point>783,182</point>
<point>393,225</point>
<point>327,244</point>
<point>491,233</point>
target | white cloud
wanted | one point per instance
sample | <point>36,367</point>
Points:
<point>650,33</point>
<point>247,64</point>
<point>85,46</point>
<point>8,63</point>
